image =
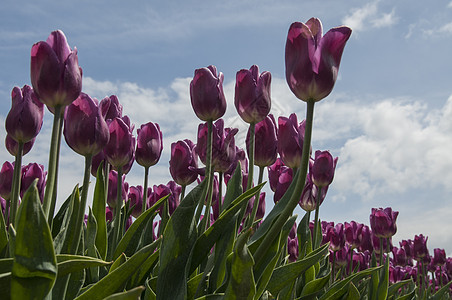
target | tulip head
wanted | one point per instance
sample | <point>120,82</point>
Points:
<point>112,193</point>
<point>353,234</point>
<point>24,120</point>
<point>149,144</point>
<point>13,147</point>
<point>206,93</point>
<point>322,169</point>
<point>31,172</point>
<point>111,108</point>
<point>55,74</point>
<point>439,257</point>
<point>290,140</point>
<point>6,179</point>
<point>252,94</point>
<point>120,149</point>
<point>336,237</point>
<point>183,162</point>
<point>85,129</point>
<point>383,222</point>
<point>313,59</point>
<point>135,199</point>
<point>420,250</point>
<point>266,144</point>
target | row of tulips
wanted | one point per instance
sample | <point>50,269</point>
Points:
<point>206,243</point>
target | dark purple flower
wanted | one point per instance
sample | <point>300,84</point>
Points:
<point>85,129</point>
<point>284,181</point>
<point>274,171</point>
<point>223,145</point>
<point>120,149</point>
<point>400,258</point>
<point>135,197</point>
<point>252,94</point>
<point>55,74</point>
<point>240,156</point>
<point>341,256</point>
<point>292,249</point>
<point>96,160</point>
<point>260,208</point>
<point>308,200</point>
<point>362,259</point>
<point>353,234</point>
<point>31,172</point>
<point>6,179</point>
<point>439,257</point>
<point>183,162</point>
<point>113,188</point>
<point>366,241</point>
<point>149,144</point>
<point>312,60</point>
<point>420,247</point>
<point>206,93</point>
<point>336,237</point>
<point>160,191</point>
<point>377,247</point>
<point>407,245</point>
<point>322,169</point>
<point>290,140</point>
<point>383,222</point>
<point>108,214</point>
<point>266,144</point>
<point>111,108</point>
<point>24,120</point>
<point>13,147</point>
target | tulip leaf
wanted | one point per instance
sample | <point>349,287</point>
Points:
<point>440,293</point>
<point>99,204</point>
<point>178,239</point>
<point>206,240</point>
<point>241,280</point>
<point>68,263</point>
<point>353,293</point>
<point>34,267</point>
<point>314,287</point>
<point>383,284</point>
<point>5,285</point>
<point>68,238</point>
<point>143,272</point>
<point>192,285</point>
<point>58,220</point>
<point>287,273</point>
<point>394,288</point>
<point>131,238</point>
<point>116,280</point>
<point>3,236</point>
<point>131,294</point>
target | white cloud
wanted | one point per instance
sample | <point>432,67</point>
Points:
<point>447,28</point>
<point>368,16</point>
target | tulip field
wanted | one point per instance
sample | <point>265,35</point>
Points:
<point>206,234</point>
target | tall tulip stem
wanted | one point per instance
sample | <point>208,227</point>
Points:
<point>249,184</point>
<point>145,190</point>
<point>16,184</point>
<point>53,163</point>
<point>117,220</point>
<point>275,229</point>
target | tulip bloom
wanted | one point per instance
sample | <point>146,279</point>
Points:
<point>161,191</point>
<point>29,173</point>
<point>336,237</point>
<point>290,140</point>
<point>24,120</point>
<point>266,144</point>
<point>439,257</point>
<point>206,93</point>
<point>112,193</point>
<point>183,162</point>
<point>420,247</point>
<point>353,234</point>
<point>120,149</point>
<point>312,60</point>
<point>252,94</point>
<point>135,197</point>
<point>308,200</point>
<point>274,171</point>
<point>85,129</point>
<point>6,179</point>
<point>383,222</point>
<point>322,169</point>
<point>55,74</point>
<point>149,144</point>
<point>366,241</point>
<point>111,108</point>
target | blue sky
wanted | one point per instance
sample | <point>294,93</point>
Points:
<point>389,118</point>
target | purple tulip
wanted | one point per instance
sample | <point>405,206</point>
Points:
<point>366,241</point>
<point>323,167</point>
<point>400,258</point>
<point>206,93</point>
<point>341,256</point>
<point>85,129</point>
<point>95,162</point>
<point>353,234</point>
<point>113,188</point>
<point>111,108</point>
<point>6,179</point>
<point>252,94</point>
<point>284,181</point>
<point>290,140</point>
<point>312,60</point>
<point>149,144</point>
<point>13,147</point>
<point>377,247</point>
<point>29,173</point>
<point>223,145</point>
<point>336,237</point>
<point>24,120</point>
<point>183,162</point>
<point>161,191</point>
<point>439,257</point>
<point>120,149</point>
<point>325,226</point>
<point>55,74</point>
<point>240,156</point>
<point>266,144</point>
<point>292,249</point>
<point>108,214</point>
<point>274,171</point>
<point>420,247</point>
<point>260,208</point>
<point>383,222</point>
<point>308,200</point>
<point>135,197</point>
<point>362,259</point>
<point>407,245</point>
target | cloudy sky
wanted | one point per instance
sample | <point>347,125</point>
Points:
<point>389,118</point>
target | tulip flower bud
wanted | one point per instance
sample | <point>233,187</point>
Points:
<point>206,93</point>
<point>6,179</point>
<point>135,197</point>
<point>252,94</point>
<point>420,247</point>
<point>383,222</point>
<point>308,200</point>
<point>149,144</point>
<point>290,140</point>
<point>111,108</point>
<point>55,74</point>
<point>366,241</point>
<point>266,144</point>
<point>183,162</point>
<point>13,147</point>
<point>161,191</point>
<point>336,237</point>
<point>312,60</point>
<point>400,258</point>
<point>29,173</point>
<point>120,149</point>
<point>113,188</point>
<point>274,171</point>
<point>322,169</point>
<point>439,257</point>
<point>85,129</point>
<point>24,120</point>
<point>292,249</point>
<point>353,234</point>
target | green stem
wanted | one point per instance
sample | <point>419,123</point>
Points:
<point>16,183</point>
<point>117,220</point>
<point>256,201</point>
<point>208,170</point>
<point>182,192</point>
<point>249,184</point>
<point>316,216</point>
<point>55,185</point>
<point>53,163</point>
<point>81,209</point>
<point>293,201</point>
<point>381,251</point>
<point>145,190</point>
<point>333,267</point>
<point>351,261</point>
<point>220,192</point>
